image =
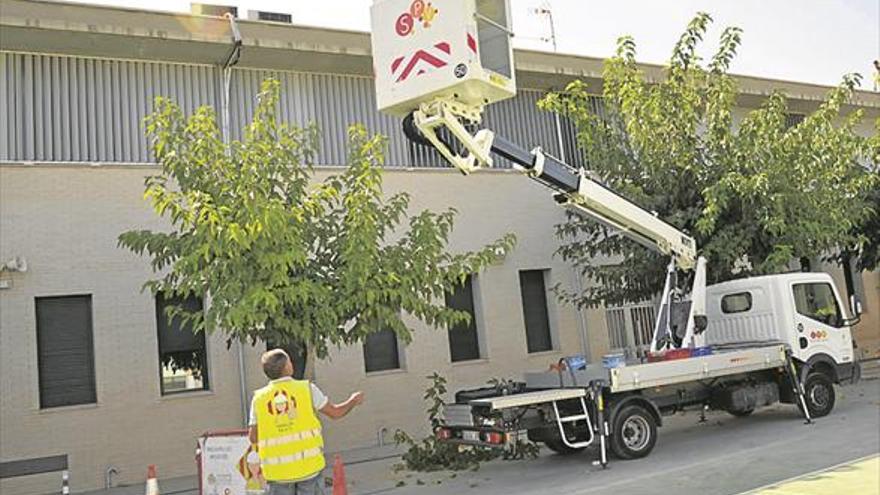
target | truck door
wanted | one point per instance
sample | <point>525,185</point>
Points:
<point>819,322</point>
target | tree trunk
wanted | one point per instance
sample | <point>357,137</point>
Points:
<point>309,367</point>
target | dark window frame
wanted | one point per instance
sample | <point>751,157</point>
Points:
<point>537,343</point>
<point>204,372</point>
<point>274,17</point>
<point>726,297</point>
<point>475,352</point>
<point>90,347</point>
<point>396,353</point>
<point>794,119</point>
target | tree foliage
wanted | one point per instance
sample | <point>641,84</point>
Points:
<point>285,257</point>
<point>866,249</point>
<point>754,193</point>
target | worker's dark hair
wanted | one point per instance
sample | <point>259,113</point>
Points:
<point>274,362</point>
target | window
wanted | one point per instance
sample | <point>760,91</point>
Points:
<point>736,303</point>
<point>270,16</point>
<point>793,119</point>
<point>464,344</point>
<point>494,38</point>
<point>183,360</point>
<point>381,352</point>
<point>817,301</point>
<point>535,314</point>
<point>65,351</point>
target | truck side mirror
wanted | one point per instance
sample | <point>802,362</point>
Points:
<point>855,306</point>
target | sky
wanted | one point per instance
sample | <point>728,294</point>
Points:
<point>815,41</point>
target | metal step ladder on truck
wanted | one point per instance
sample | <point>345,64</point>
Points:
<point>734,346</point>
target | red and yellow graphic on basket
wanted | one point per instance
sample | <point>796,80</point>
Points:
<point>249,467</point>
<point>282,407</point>
<point>420,11</point>
<point>421,61</point>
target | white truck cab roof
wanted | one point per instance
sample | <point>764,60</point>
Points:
<point>791,277</point>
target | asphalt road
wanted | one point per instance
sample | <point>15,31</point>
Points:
<point>725,455</point>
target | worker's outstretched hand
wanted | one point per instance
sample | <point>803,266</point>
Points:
<point>356,398</point>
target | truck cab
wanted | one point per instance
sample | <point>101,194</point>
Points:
<point>803,310</point>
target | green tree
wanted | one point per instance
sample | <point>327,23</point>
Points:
<point>754,195</point>
<point>866,249</point>
<point>281,255</point>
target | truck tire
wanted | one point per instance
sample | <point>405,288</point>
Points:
<point>819,394</point>
<point>560,448</point>
<point>634,432</point>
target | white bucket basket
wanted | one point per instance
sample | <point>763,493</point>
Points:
<point>456,50</point>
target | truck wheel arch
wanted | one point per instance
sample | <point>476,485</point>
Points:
<point>648,404</point>
<point>820,363</point>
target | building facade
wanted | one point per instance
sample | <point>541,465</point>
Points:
<point>89,368</point>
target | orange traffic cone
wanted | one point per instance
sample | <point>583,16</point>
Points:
<point>152,482</point>
<point>339,486</point>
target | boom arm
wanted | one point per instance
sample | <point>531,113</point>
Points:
<point>580,193</point>
<point>586,196</point>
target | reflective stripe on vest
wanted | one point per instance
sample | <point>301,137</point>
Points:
<point>293,457</point>
<point>289,433</point>
<point>295,437</point>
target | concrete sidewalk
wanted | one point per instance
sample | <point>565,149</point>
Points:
<point>367,471</point>
<point>187,485</point>
<point>860,476</point>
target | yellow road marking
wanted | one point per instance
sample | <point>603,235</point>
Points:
<point>859,477</point>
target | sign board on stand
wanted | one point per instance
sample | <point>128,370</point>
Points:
<point>228,464</point>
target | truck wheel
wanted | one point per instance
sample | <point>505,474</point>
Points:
<point>634,432</point>
<point>560,448</point>
<point>819,394</point>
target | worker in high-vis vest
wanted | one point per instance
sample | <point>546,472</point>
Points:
<point>285,427</point>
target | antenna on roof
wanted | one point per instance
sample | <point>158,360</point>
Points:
<point>545,10</point>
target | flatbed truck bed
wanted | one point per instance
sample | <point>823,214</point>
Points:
<point>529,398</point>
<point>568,409</point>
<point>645,375</point>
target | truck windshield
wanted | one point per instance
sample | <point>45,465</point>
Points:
<point>817,301</point>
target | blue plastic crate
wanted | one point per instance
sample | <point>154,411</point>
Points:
<point>702,351</point>
<point>610,361</point>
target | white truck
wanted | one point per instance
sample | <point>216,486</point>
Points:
<point>777,338</point>
<point>736,346</point>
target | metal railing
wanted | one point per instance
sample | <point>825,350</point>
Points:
<point>630,327</point>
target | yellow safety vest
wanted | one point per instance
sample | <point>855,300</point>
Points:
<point>289,434</point>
